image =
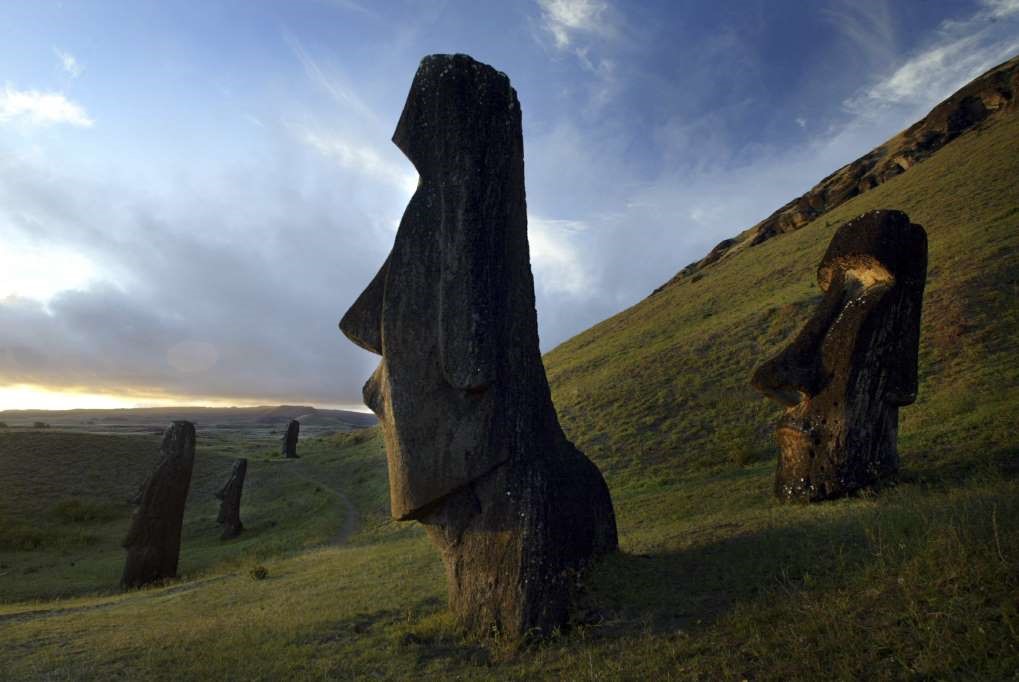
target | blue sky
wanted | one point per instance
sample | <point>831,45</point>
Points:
<point>191,194</point>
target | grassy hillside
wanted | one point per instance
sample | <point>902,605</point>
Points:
<point>65,509</point>
<point>715,580</point>
<point>664,384</point>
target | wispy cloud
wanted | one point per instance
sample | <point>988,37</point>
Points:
<point>358,158</point>
<point>41,108</point>
<point>586,30</point>
<point>351,6</point>
<point>999,9</point>
<point>565,19</point>
<point>557,263</point>
<point>962,50</point>
<point>868,26</point>
<point>69,63</point>
<point>331,84</point>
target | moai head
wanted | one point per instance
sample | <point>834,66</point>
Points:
<point>451,311</point>
<point>853,364</point>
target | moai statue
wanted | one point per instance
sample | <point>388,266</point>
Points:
<point>474,447</point>
<point>153,541</point>
<point>230,501</point>
<point>288,444</point>
<point>854,363</point>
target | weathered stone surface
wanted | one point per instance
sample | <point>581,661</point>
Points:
<point>288,444</point>
<point>475,450</point>
<point>853,364</point>
<point>230,501</point>
<point>153,541</point>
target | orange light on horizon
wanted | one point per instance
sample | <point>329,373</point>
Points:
<point>37,397</point>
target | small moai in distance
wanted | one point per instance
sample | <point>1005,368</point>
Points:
<point>852,366</point>
<point>288,444</point>
<point>474,447</point>
<point>230,500</point>
<point>153,541</point>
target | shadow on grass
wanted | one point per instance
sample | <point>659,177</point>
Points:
<point>838,547</point>
<point>685,589</point>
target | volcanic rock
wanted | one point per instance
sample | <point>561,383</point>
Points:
<point>474,447</point>
<point>853,364</point>
<point>153,541</point>
<point>288,444</point>
<point>230,501</point>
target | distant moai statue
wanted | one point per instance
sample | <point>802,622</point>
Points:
<point>474,447</point>
<point>230,501</point>
<point>288,444</point>
<point>853,364</point>
<point>153,541</point>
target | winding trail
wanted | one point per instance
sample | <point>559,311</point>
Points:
<point>114,601</point>
<point>351,517</point>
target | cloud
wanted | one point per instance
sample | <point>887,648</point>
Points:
<point>557,264</point>
<point>960,51</point>
<point>565,19</point>
<point>1000,9</point>
<point>351,6</point>
<point>360,159</point>
<point>40,272</point>
<point>868,26</point>
<point>331,83</point>
<point>234,292</point>
<point>69,63</point>
<point>41,108</point>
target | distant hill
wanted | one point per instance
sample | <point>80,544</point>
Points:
<point>142,420</point>
<point>665,383</point>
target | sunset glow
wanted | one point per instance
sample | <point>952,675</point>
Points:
<point>30,397</point>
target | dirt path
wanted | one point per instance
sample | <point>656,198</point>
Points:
<point>351,517</point>
<point>151,594</point>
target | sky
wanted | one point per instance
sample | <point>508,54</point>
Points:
<point>193,193</point>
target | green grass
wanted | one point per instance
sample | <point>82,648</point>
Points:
<point>65,509</point>
<point>714,580</point>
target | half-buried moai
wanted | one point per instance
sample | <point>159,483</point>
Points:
<point>288,444</point>
<point>230,501</point>
<point>854,363</point>
<point>153,541</point>
<point>474,447</point>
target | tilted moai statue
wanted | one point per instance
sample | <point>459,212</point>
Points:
<point>474,447</point>
<point>153,541</point>
<point>853,364</point>
<point>230,501</point>
<point>288,444</point>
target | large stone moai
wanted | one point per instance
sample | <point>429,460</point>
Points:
<point>288,444</point>
<point>854,363</point>
<point>474,447</point>
<point>230,500</point>
<point>153,541</point>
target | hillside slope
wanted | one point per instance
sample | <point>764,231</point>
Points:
<point>991,95</point>
<point>664,384</point>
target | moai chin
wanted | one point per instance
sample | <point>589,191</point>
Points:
<point>153,541</point>
<point>474,447</point>
<point>853,364</point>
<point>230,500</point>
